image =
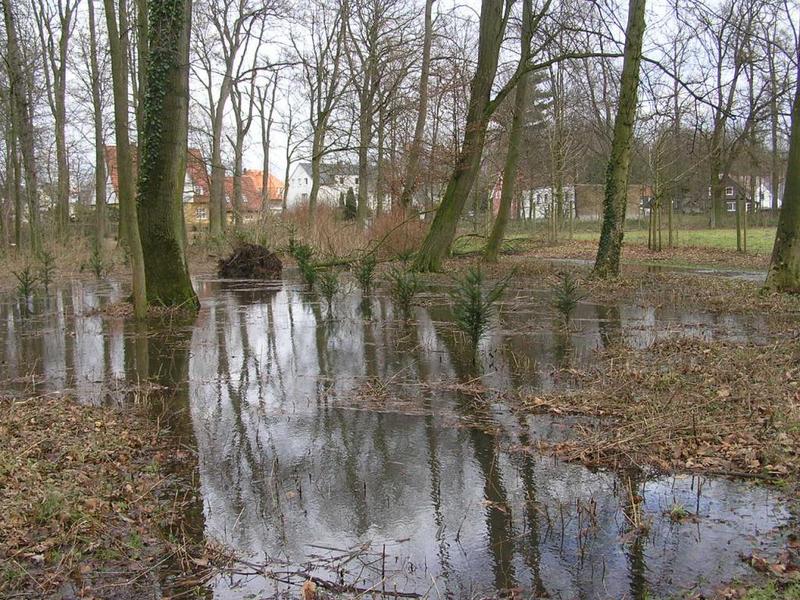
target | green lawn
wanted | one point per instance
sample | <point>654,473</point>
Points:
<point>759,240</point>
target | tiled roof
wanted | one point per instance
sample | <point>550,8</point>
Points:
<point>251,189</point>
<point>195,167</point>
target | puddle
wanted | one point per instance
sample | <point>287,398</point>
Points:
<point>371,452</point>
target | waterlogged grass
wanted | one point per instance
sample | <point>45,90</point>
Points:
<point>759,240</point>
<point>771,592</point>
<point>690,405</point>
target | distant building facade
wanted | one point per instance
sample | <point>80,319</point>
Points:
<point>197,185</point>
<point>584,201</point>
<point>335,180</point>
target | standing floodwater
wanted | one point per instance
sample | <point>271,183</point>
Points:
<point>373,452</point>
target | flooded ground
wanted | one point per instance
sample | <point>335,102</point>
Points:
<point>373,452</point>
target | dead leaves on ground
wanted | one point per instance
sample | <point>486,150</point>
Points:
<point>690,405</point>
<point>83,498</point>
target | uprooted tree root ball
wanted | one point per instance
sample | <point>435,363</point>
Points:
<point>250,261</point>
<point>690,405</point>
<point>89,507</point>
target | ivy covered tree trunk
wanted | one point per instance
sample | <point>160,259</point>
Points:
<point>514,138</point>
<point>443,228</point>
<point>162,168</point>
<point>615,199</point>
<point>118,49</point>
<point>784,268</point>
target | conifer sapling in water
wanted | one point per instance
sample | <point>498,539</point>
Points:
<point>365,272</point>
<point>474,307</point>
<point>567,295</point>
<point>328,285</point>
<point>404,285</point>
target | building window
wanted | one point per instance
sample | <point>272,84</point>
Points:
<point>306,180</point>
<point>731,206</point>
<point>200,213</point>
<point>341,180</point>
<point>729,192</point>
<point>356,180</point>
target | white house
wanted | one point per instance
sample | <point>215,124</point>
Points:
<point>335,180</point>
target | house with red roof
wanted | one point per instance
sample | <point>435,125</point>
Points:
<point>251,202</point>
<point>196,183</point>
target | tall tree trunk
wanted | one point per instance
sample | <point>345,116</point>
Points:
<point>443,228</point>
<point>615,200</point>
<point>142,53</point>
<point>317,144</point>
<point>236,195</point>
<point>286,173</point>
<point>415,152</point>
<point>774,117</point>
<point>380,176</point>
<point>118,48</point>
<point>22,122</point>
<point>61,124</point>
<point>54,55</point>
<point>162,168</point>
<point>97,109</point>
<point>784,269</point>
<point>266,130</point>
<point>716,175</point>
<point>514,138</point>
<point>365,141</point>
<point>14,182</point>
<point>216,209</point>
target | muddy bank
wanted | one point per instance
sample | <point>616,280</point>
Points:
<point>94,503</point>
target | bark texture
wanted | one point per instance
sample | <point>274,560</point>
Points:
<point>615,199</point>
<point>443,228</point>
<point>162,167</point>
<point>784,269</point>
<point>118,48</point>
<point>514,139</point>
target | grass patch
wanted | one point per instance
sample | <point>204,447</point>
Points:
<point>759,239</point>
<point>771,592</point>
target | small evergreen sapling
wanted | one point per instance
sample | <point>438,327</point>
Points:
<point>474,307</point>
<point>404,286</point>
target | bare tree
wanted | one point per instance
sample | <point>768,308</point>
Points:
<point>411,177</point>
<point>784,268</point>
<point>320,59</point>
<point>615,200</point>
<point>97,112</point>
<point>223,33</point>
<point>265,105</point>
<point>242,101</point>
<point>22,120</point>
<point>118,42</point>
<point>55,22</point>
<point>514,138</point>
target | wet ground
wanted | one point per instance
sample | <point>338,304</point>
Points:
<point>372,451</point>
